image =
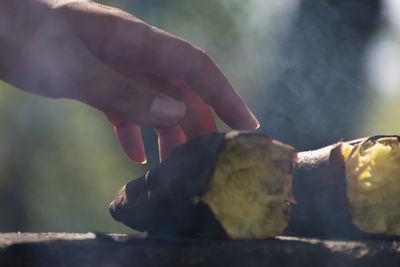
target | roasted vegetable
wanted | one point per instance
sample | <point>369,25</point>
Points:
<point>239,185</point>
<point>373,184</point>
<point>235,184</point>
<point>349,189</point>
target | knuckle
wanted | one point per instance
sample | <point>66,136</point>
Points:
<point>129,95</point>
<point>108,49</point>
<point>122,41</point>
<point>126,89</point>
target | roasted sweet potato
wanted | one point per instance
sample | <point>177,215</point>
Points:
<point>235,184</point>
<point>349,189</point>
<point>240,184</point>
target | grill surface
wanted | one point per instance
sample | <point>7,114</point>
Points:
<point>62,249</point>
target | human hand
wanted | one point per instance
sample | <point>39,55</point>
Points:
<point>136,74</point>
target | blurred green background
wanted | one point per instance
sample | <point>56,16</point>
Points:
<point>306,69</point>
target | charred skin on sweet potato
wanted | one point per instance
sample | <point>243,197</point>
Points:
<point>319,188</point>
<point>161,202</point>
<point>236,184</point>
<point>373,184</point>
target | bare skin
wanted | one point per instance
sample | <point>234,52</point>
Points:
<point>136,74</point>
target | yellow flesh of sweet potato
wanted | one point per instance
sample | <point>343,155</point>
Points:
<point>249,190</point>
<point>373,185</point>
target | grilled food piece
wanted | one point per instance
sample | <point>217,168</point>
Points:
<point>251,186</point>
<point>348,190</point>
<point>373,184</point>
<point>238,184</point>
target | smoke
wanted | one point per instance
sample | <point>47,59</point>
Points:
<point>318,88</point>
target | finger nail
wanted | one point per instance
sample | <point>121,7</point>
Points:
<point>143,162</point>
<point>248,123</point>
<point>167,110</point>
<point>254,122</point>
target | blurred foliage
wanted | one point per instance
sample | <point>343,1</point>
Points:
<point>60,163</point>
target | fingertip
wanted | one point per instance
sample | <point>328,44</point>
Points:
<point>246,125</point>
<point>135,156</point>
<point>143,162</point>
<point>246,122</point>
<point>253,122</point>
<point>130,138</point>
<point>238,117</point>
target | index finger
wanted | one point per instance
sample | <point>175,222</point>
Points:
<point>178,58</point>
<point>129,45</point>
